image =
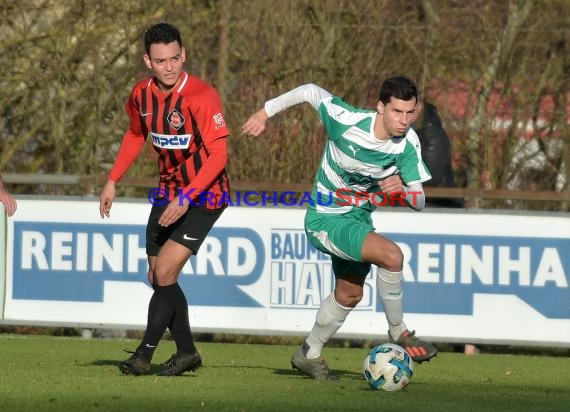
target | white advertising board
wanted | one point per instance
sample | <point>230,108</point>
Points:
<point>468,277</point>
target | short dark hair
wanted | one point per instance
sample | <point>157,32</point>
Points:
<point>399,87</point>
<point>161,33</point>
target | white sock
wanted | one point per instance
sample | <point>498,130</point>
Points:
<point>330,317</point>
<point>389,286</point>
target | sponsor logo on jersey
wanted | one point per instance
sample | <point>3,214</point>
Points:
<point>171,141</point>
<point>353,149</point>
<point>219,121</point>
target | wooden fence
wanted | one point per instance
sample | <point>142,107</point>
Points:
<point>473,198</point>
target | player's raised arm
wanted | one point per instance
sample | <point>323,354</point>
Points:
<point>308,93</point>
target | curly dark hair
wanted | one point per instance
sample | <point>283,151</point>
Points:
<point>161,33</point>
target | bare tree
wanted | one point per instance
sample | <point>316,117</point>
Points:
<point>518,13</point>
<point>498,72</point>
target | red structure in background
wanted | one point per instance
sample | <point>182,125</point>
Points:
<point>457,101</point>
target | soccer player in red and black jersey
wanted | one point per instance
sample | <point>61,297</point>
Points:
<point>183,116</point>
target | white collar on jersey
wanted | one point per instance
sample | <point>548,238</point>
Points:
<point>182,83</point>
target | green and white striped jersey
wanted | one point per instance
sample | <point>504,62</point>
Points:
<point>354,160</point>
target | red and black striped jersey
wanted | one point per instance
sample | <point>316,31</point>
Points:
<point>189,133</point>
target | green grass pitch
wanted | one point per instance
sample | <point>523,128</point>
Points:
<point>45,373</point>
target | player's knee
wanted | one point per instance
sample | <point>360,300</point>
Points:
<point>349,299</point>
<point>384,253</point>
<point>355,300</point>
<point>162,276</point>
<point>393,258</point>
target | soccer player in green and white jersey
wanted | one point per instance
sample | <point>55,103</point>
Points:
<point>371,157</point>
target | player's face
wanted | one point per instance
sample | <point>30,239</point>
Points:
<point>166,61</point>
<point>397,115</point>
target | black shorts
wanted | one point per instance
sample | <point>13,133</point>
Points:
<point>190,230</point>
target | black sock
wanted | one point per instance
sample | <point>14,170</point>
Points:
<point>180,325</point>
<point>160,312</point>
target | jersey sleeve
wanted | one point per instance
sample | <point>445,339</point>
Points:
<point>131,146</point>
<point>415,196</point>
<point>210,116</point>
<point>132,143</point>
<point>215,133</point>
<point>214,165</point>
<point>308,93</point>
<point>411,166</point>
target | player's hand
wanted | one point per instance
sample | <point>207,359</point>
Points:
<point>9,202</point>
<point>173,212</point>
<point>255,125</point>
<point>392,184</point>
<point>106,199</point>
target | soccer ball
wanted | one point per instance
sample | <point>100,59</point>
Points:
<point>388,367</point>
